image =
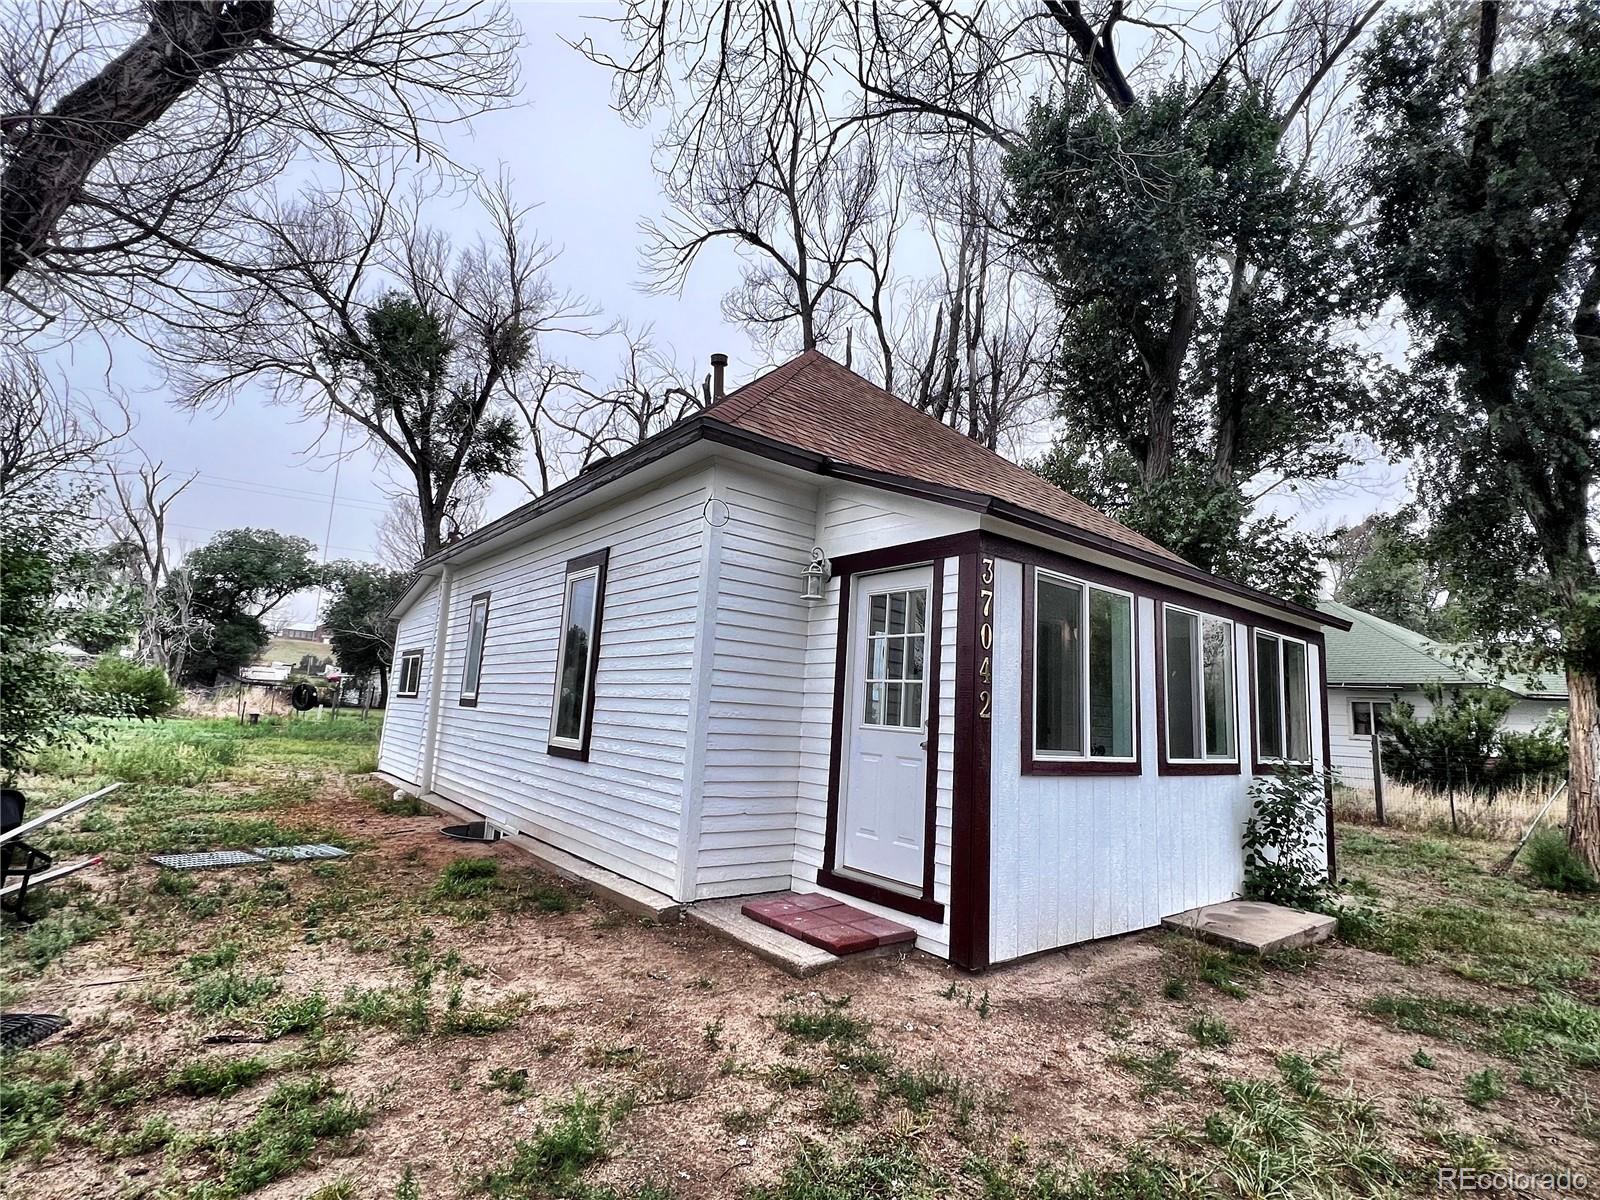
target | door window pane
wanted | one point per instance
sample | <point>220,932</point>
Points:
<point>895,659</point>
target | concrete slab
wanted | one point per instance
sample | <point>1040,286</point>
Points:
<point>787,953</point>
<point>1252,927</point>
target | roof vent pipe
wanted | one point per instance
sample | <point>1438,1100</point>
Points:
<point>719,368</point>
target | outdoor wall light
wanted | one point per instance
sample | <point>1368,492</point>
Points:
<point>816,575</point>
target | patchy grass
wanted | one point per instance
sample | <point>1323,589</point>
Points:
<point>389,991</point>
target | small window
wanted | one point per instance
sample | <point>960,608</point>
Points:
<point>1362,713</point>
<point>410,681</point>
<point>1283,699</point>
<point>897,655</point>
<point>472,667</point>
<point>577,653</point>
<point>1083,670</point>
<point>1198,654</point>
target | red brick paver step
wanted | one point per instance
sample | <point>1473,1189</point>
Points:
<point>828,923</point>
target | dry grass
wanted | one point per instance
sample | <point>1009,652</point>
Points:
<point>1503,816</point>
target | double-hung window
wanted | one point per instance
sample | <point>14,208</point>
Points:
<point>1283,699</point>
<point>472,666</point>
<point>1197,654</point>
<point>409,682</point>
<point>1083,676</point>
<point>1369,715</point>
<point>577,653</point>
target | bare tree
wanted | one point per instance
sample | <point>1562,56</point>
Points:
<point>366,316</point>
<point>136,136</point>
<point>401,537</point>
<point>136,514</point>
<point>45,430</point>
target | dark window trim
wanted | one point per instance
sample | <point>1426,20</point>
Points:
<point>600,559</point>
<point>1165,765</point>
<point>399,690</point>
<point>1085,765</point>
<point>846,568</point>
<point>1269,766</point>
<point>462,698</point>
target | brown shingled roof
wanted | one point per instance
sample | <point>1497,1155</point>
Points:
<point>816,404</point>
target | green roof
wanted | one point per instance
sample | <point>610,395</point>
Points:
<point>1380,653</point>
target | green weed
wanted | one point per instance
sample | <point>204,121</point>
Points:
<point>1210,1031</point>
<point>550,1162</point>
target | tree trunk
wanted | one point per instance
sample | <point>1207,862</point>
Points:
<point>52,154</point>
<point>383,688</point>
<point>1583,789</point>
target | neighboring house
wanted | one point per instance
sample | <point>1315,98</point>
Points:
<point>1004,719</point>
<point>1376,663</point>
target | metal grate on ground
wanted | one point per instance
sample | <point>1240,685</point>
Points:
<point>301,853</point>
<point>207,860</point>
<point>18,1030</point>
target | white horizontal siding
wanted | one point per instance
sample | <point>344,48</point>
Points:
<point>1081,857</point>
<point>749,774</point>
<point>400,751</point>
<point>622,808</point>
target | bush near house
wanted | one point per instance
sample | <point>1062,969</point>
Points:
<point>1281,840</point>
<point>132,689</point>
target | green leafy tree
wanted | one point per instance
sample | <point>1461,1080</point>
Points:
<point>236,578</point>
<point>1205,280</point>
<point>1482,128</point>
<point>137,689</point>
<point>51,592</point>
<point>1454,745</point>
<point>357,617</point>
<point>1382,567</point>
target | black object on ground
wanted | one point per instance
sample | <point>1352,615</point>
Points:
<point>17,858</point>
<point>473,831</point>
<point>19,1030</point>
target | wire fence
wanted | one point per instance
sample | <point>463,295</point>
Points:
<point>1502,814</point>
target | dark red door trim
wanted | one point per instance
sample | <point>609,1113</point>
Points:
<point>846,567</point>
<point>969,835</point>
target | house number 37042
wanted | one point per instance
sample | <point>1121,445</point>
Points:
<point>985,637</point>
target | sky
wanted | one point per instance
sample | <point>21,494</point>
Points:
<point>590,174</point>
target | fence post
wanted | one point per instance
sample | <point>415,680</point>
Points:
<point>1377,771</point>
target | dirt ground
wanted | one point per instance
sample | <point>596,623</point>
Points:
<point>1039,1060</point>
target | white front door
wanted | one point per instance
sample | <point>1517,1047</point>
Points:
<point>883,812</point>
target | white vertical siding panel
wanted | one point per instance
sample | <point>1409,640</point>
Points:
<point>1080,857</point>
<point>400,752</point>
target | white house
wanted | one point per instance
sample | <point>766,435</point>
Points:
<point>1373,664</point>
<point>988,711</point>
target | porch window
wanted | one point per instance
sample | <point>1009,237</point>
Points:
<point>1364,713</point>
<point>1083,670</point>
<point>578,651</point>
<point>897,655</point>
<point>477,630</point>
<point>409,682</point>
<point>1198,654</point>
<point>1283,699</point>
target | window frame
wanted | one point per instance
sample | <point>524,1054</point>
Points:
<point>584,566</point>
<point>407,657</point>
<point>1232,765</point>
<point>1261,764</point>
<point>465,698</point>
<point>1058,762</point>
<point>1371,717</point>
